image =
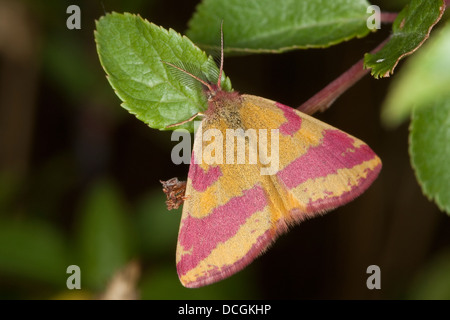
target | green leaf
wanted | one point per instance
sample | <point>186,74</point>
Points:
<point>33,250</point>
<point>105,243</point>
<point>430,151</point>
<point>409,31</point>
<point>277,26</point>
<point>131,51</point>
<point>423,78</point>
<point>422,88</point>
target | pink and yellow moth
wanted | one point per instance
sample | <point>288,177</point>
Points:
<point>232,213</point>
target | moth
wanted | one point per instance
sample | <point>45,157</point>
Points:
<point>233,211</point>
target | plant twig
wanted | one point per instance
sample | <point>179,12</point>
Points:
<point>388,17</point>
<point>325,98</point>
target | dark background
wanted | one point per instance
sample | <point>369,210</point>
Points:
<point>65,140</point>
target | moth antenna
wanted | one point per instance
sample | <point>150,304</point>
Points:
<point>206,84</point>
<point>185,121</point>
<point>221,56</point>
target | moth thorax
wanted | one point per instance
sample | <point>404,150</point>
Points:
<point>222,103</point>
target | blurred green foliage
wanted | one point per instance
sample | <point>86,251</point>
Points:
<point>421,91</point>
<point>104,235</point>
<point>33,250</point>
<point>432,282</point>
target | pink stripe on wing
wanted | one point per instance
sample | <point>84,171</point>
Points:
<point>199,236</point>
<point>356,190</point>
<point>335,152</point>
<point>200,178</point>
<point>294,121</point>
<point>225,271</point>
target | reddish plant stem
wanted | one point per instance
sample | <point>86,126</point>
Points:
<point>325,98</point>
<point>388,17</point>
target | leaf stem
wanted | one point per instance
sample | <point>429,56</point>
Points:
<point>388,17</point>
<point>325,97</point>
